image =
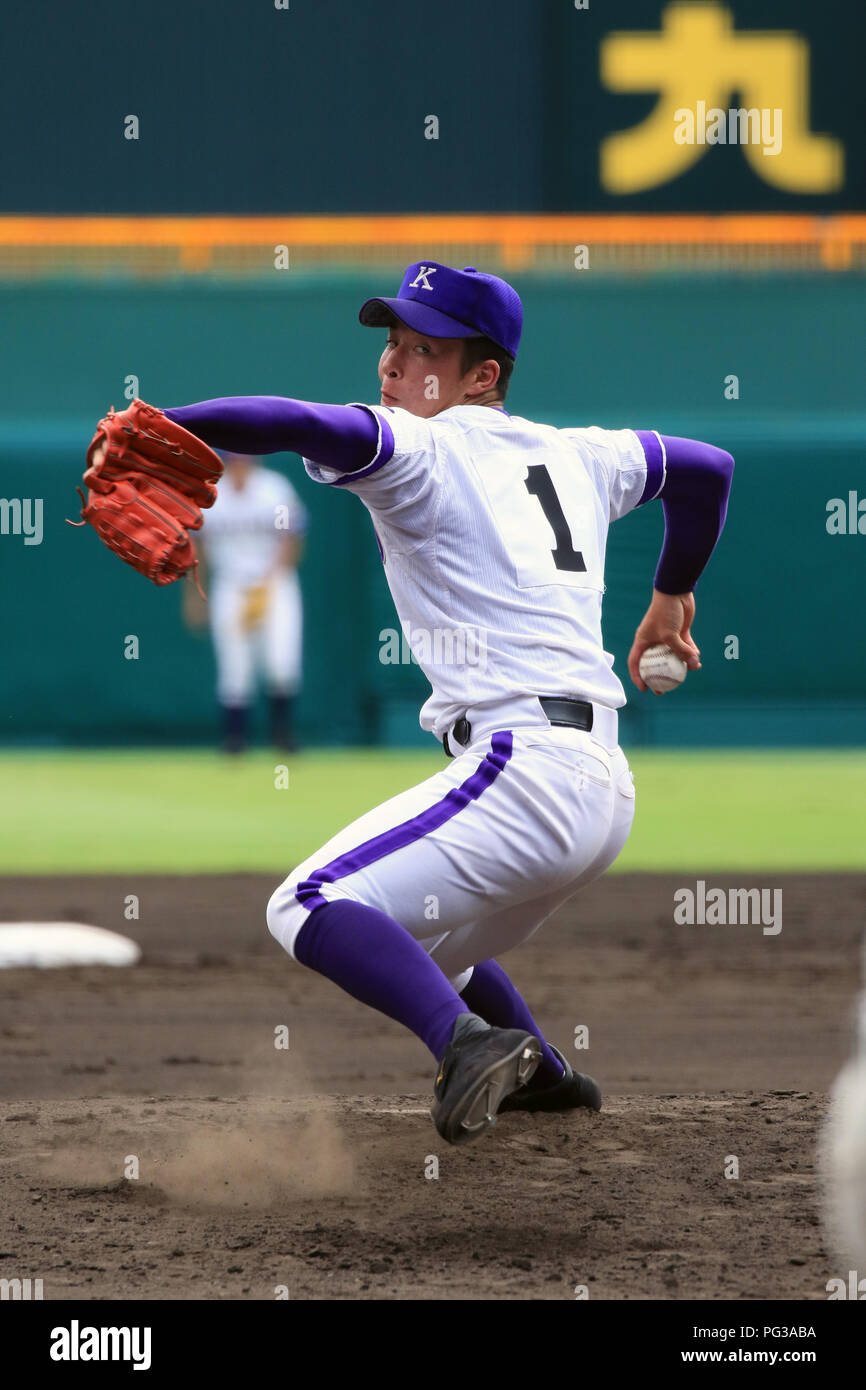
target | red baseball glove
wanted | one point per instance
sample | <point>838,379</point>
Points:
<point>148,479</point>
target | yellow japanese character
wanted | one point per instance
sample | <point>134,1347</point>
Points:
<point>696,63</point>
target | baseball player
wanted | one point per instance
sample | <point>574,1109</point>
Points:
<point>487,523</point>
<point>252,542</point>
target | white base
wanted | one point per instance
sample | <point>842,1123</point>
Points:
<point>51,945</point>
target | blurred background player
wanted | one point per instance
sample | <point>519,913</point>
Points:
<point>250,547</point>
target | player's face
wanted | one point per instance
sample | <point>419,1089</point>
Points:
<point>421,375</point>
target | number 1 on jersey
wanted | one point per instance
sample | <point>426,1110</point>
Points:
<point>540,484</point>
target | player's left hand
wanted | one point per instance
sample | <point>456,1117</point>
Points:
<point>668,622</point>
<point>147,480</point>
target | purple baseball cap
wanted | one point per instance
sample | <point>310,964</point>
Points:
<point>445,303</point>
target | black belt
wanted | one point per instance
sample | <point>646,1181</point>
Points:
<point>571,714</point>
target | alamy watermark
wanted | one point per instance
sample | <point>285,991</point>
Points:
<point>737,126</point>
<point>77,1343</point>
<point>437,646</point>
<point>846,516</point>
<point>733,907</point>
<point>22,516</point>
<point>20,1290</point>
<point>854,1288</point>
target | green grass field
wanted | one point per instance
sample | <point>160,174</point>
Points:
<point>167,811</point>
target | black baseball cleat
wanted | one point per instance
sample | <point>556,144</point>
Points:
<point>568,1093</point>
<point>480,1066</point>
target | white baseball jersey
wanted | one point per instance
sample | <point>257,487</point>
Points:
<point>243,528</point>
<point>493,532</point>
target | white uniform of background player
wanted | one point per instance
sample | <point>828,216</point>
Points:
<point>251,541</point>
<point>463,514</point>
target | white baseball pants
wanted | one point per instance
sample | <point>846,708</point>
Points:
<point>272,649</point>
<point>476,858</point>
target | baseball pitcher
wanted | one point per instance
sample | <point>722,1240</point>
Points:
<point>488,524</point>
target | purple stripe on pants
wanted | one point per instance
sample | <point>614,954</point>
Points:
<point>411,830</point>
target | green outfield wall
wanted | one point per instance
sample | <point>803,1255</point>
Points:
<point>334,106</point>
<point>653,353</point>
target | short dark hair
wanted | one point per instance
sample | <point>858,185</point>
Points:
<point>477,350</point>
<point>473,351</point>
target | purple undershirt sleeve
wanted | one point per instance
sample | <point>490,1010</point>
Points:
<point>694,497</point>
<point>343,437</point>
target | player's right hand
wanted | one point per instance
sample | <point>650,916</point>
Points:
<point>668,622</point>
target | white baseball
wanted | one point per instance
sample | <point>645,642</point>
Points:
<point>662,669</point>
